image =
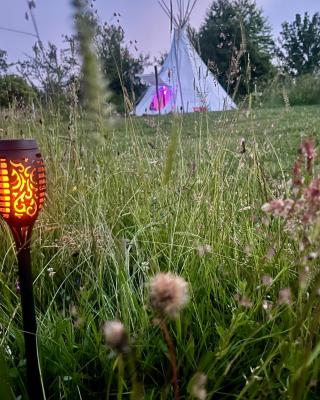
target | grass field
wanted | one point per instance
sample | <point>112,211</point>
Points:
<point>169,194</point>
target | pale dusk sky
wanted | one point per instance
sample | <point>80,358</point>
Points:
<point>142,20</point>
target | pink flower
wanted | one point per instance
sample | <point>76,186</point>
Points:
<point>307,148</point>
<point>297,178</point>
<point>312,193</point>
<point>279,208</point>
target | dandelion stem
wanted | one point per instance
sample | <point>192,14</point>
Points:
<point>120,376</point>
<point>137,388</point>
<point>173,358</point>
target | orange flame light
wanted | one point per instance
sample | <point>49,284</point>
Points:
<point>22,184</point>
<point>22,192</point>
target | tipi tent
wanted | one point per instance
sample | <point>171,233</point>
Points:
<point>184,83</point>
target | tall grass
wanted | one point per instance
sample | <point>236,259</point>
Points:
<point>118,215</point>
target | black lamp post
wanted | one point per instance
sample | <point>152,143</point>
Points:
<point>22,193</point>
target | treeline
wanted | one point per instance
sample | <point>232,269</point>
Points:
<point>235,41</point>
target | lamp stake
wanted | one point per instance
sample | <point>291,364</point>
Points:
<point>29,323</point>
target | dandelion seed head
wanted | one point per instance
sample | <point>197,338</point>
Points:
<point>168,294</point>
<point>198,390</point>
<point>115,336</point>
<point>284,296</point>
<point>267,280</point>
<point>243,301</point>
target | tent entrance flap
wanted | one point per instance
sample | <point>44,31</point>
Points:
<point>165,96</point>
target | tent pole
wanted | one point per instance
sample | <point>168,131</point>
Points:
<point>157,87</point>
<point>171,16</point>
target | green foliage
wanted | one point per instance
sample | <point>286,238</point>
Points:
<point>5,387</point>
<point>50,69</point>
<point>14,89</point>
<point>119,66</point>
<point>3,62</point>
<point>305,91</point>
<point>301,91</point>
<point>236,41</point>
<point>300,45</point>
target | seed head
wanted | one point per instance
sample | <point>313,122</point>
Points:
<point>198,390</point>
<point>243,301</point>
<point>116,336</point>
<point>168,294</point>
<point>284,296</point>
<point>267,280</point>
<point>204,249</point>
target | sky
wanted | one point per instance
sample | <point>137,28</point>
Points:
<point>142,20</point>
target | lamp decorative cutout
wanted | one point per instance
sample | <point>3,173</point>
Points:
<point>22,193</point>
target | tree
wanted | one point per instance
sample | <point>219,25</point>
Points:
<point>3,62</point>
<point>14,89</point>
<point>119,66</point>
<point>236,42</point>
<point>300,45</point>
<point>50,69</point>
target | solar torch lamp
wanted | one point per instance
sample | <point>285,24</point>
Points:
<point>22,192</point>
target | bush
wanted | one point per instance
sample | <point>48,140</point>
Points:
<point>14,89</point>
<point>285,90</point>
<point>305,91</point>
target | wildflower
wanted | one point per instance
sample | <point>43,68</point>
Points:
<point>51,272</point>
<point>284,296</point>
<point>312,192</point>
<point>246,208</point>
<point>267,305</point>
<point>168,294</point>
<point>297,178</point>
<point>204,249</point>
<point>271,253</point>
<point>307,149</point>
<point>267,280</point>
<point>279,207</point>
<point>313,255</point>
<point>116,336</point>
<point>198,390</point>
<point>243,301</point>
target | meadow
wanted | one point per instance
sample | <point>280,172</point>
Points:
<point>179,194</point>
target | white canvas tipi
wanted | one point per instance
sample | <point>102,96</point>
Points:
<point>185,83</point>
